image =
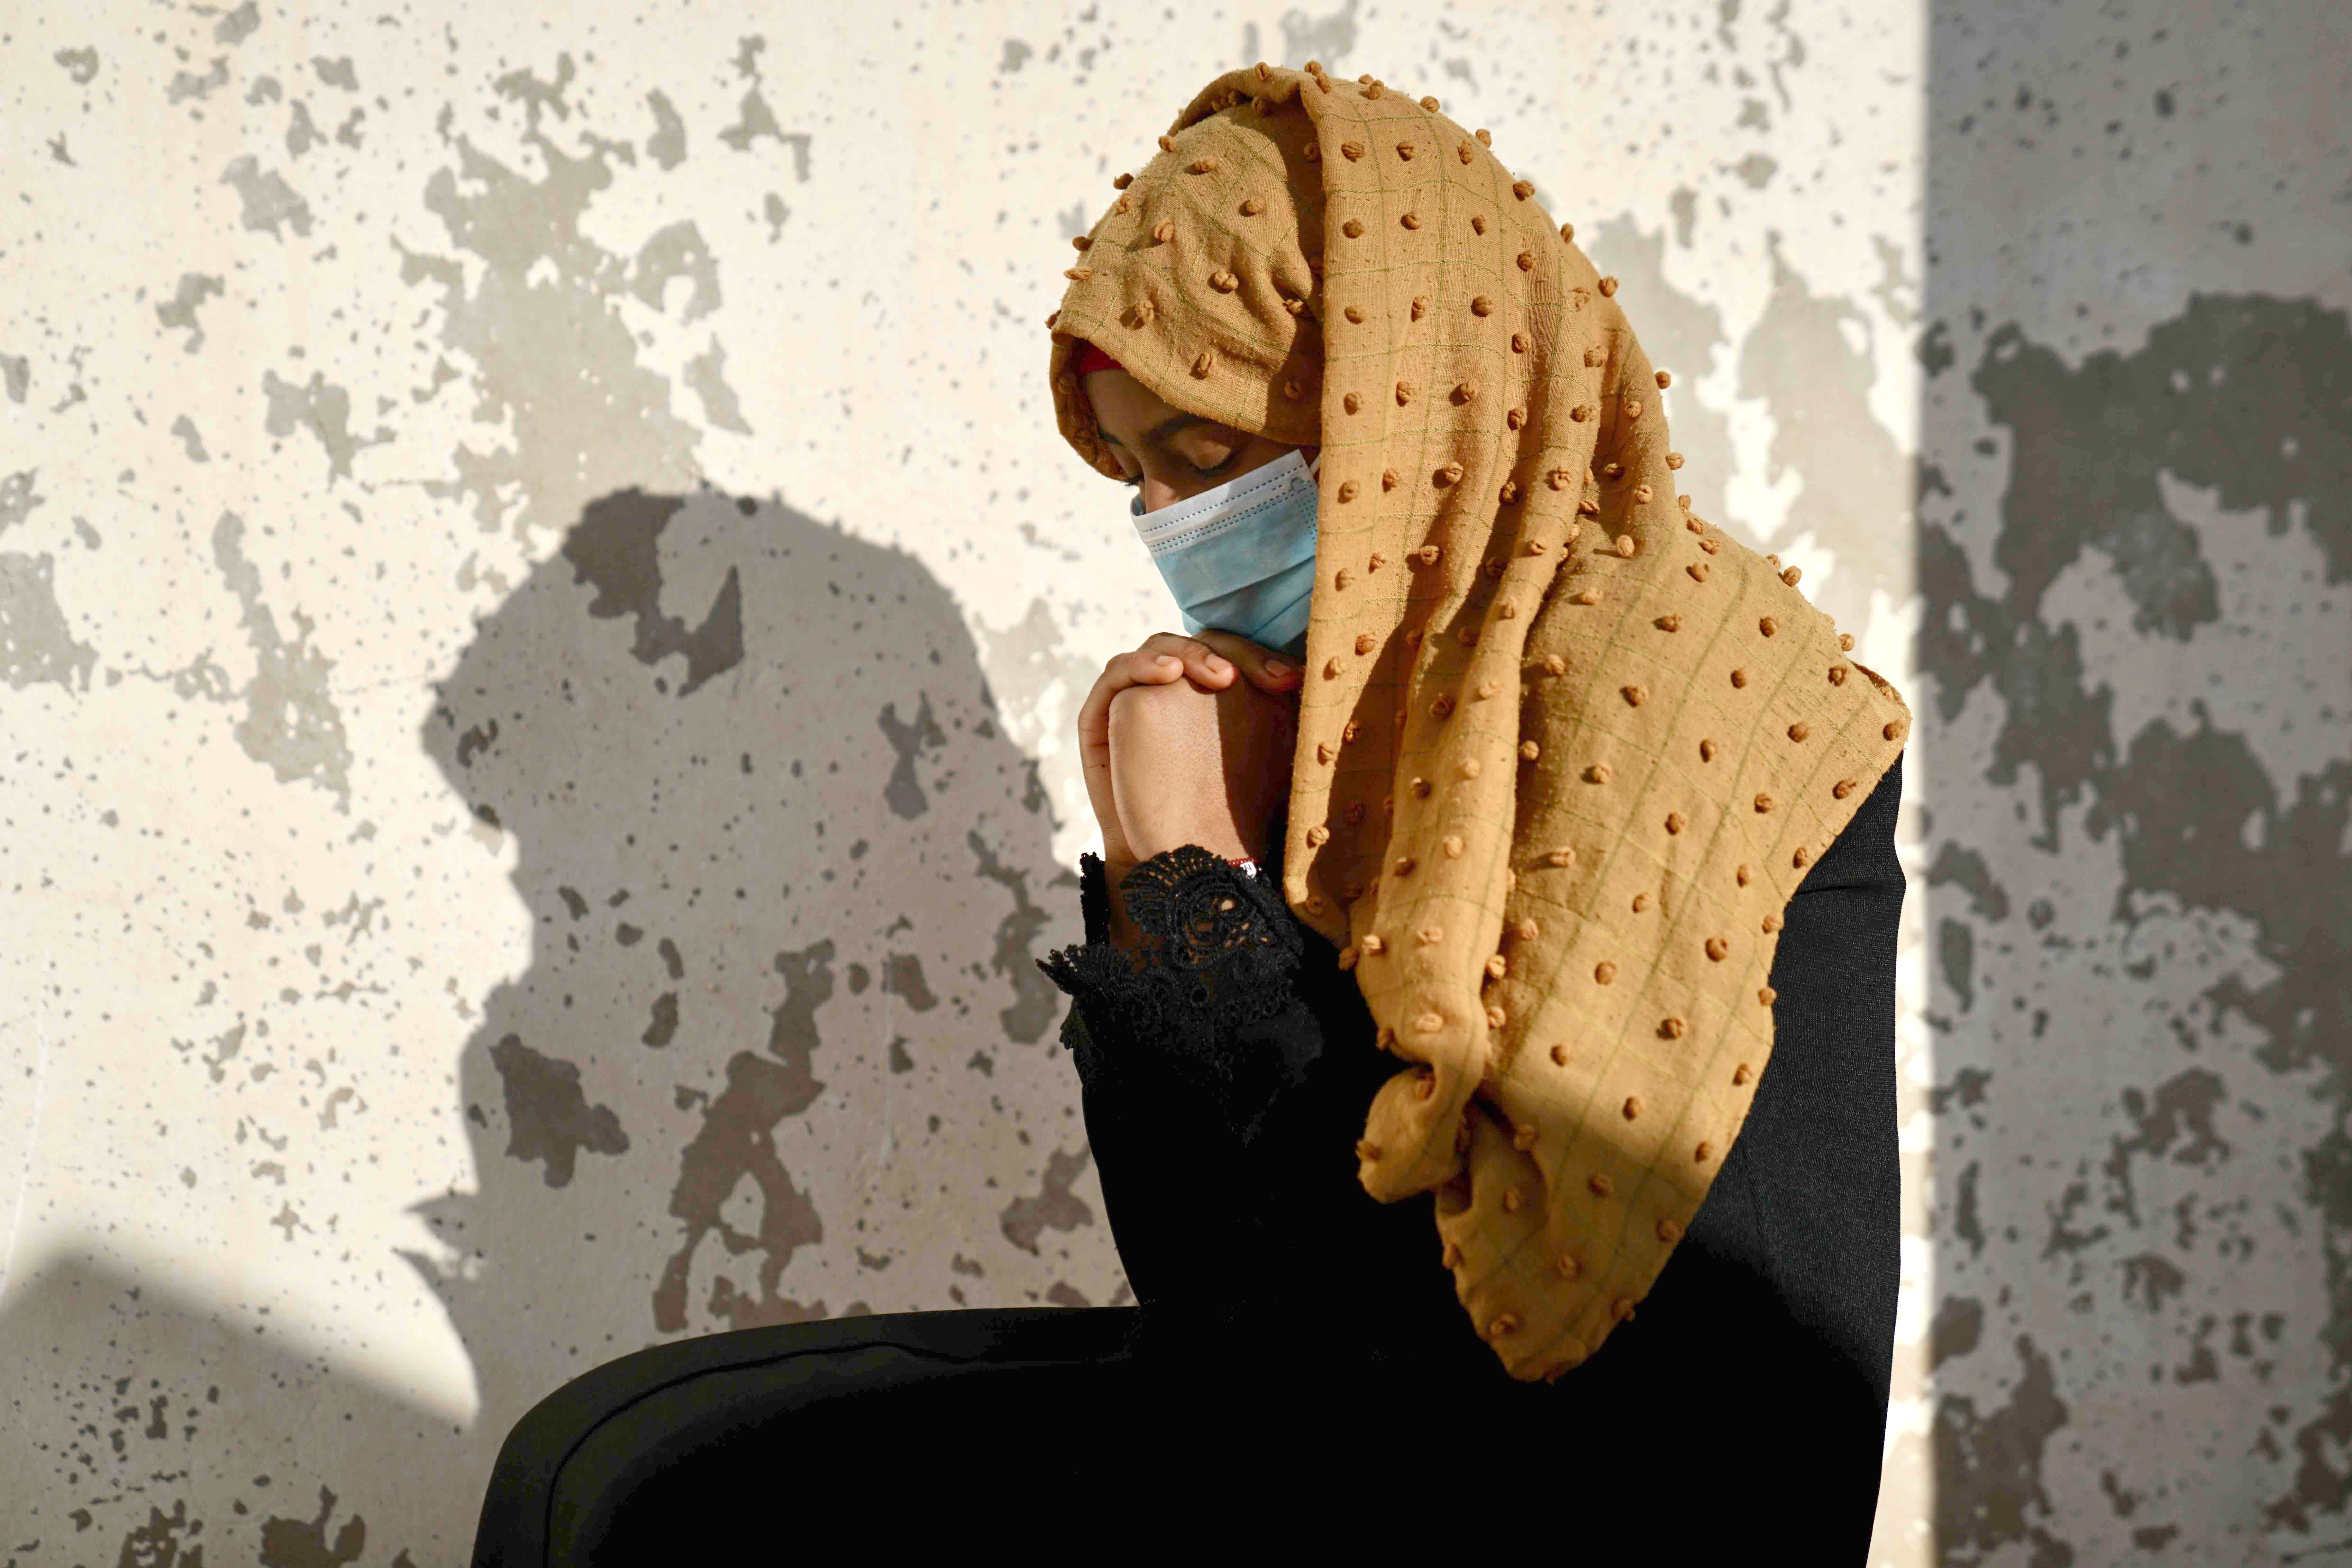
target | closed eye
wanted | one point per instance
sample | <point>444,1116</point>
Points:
<point>1137,482</point>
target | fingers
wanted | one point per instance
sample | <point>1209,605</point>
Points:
<point>1211,661</point>
<point>1207,668</point>
<point>1261,666</point>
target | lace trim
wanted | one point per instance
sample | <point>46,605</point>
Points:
<point>1221,949</point>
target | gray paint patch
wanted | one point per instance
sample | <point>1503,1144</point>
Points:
<point>1989,1468</point>
<point>191,439</point>
<point>303,1543</point>
<point>705,376</point>
<point>755,119</point>
<point>536,97</point>
<point>909,738</point>
<point>548,1115</point>
<point>667,145</point>
<point>550,355</point>
<point>268,199</point>
<point>291,722</point>
<point>302,132</point>
<point>2152,1280</point>
<point>1956,951</point>
<point>2181,1113</point>
<point>227,1044</point>
<point>677,251</point>
<point>36,646</point>
<point>18,498</point>
<point>738,1142</point>
<point>1965,1222</point>
<point>1963,867</point>
<point>1329,38</point>
<point>1966,1089</point>
<point>322,409</point>
<point>1036,1001</point>
<point>1958,1328</point>
<point>902,976</point>
<point>2244,394</point>
<point>613,550</point>
<point>187,84</point>
<point>1054,1208</point>
<point>238,25</point>
<point>166,1539</point>
<point>1854,482</point>
<point>1894,283</point>
<point>1683,205</point>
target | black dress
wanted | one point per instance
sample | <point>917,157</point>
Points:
<point>1224,1084</point>
<point>1298,1369</point>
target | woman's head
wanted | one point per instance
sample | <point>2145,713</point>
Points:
<point>1206,293</point>
<point>1166,452</point>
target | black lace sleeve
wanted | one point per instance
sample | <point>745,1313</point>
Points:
<point>1192,1055</point>
<point>1220,952</point>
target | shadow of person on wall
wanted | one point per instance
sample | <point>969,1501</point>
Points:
<point>781,1051</point>
<point>782,1047</point>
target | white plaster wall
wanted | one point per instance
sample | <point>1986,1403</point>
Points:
<point>460,466</point>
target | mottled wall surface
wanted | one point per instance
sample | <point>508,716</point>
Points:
<point>541,612</point>
<point>2135,668</point>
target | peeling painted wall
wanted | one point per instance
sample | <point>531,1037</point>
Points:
<point>2135,573</point>
<point>542,611</point>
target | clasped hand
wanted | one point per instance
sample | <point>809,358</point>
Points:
<point>1187,740</point>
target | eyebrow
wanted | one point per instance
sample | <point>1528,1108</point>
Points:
<point>1158,432</point>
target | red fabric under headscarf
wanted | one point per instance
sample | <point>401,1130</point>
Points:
<point>1091,358</point>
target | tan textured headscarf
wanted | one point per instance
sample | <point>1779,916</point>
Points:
<point>1564,750</point>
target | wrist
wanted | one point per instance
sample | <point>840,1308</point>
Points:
<point>1124,934</point>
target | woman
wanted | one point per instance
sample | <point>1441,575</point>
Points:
<point>1366,928</point>
<point>1491,826</point>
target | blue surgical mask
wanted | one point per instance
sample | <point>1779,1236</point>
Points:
<point>1241,557</point>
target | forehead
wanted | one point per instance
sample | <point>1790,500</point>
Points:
<point>1118,395</point>
<point>1127,412</point>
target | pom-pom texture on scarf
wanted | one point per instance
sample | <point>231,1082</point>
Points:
<point>1565,749</point>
